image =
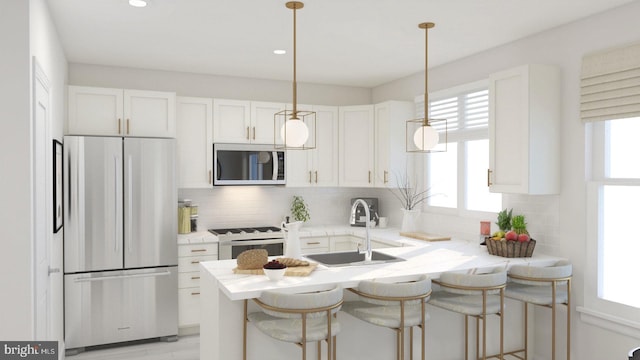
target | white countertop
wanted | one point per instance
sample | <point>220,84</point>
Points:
<point>197,237</point>
<point>430,258</point>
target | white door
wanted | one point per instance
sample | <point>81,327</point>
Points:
<point>47,280</point>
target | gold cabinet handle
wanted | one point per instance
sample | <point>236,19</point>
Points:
<point>316,177</point>
<point>119,125</point>
<point>314,243</point>
<point>489,171</point>
<point>196,262</point>
<point>247,133</point>
<point>254,133</point>
<point>309,177</point>
<point>209,176</point>
<point>195,293</point>
<point>127,126</point>
<point>198,250</point>
<point>195,278</point>
<point>369,176</point>
<point>386,173</point>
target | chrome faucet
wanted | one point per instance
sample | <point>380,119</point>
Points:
<point>367,256</point>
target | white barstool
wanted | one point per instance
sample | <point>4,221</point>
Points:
<point>634,354</point>
<point>540,286</point>
<point>476,295</point>
<point>393,305</point>
<point>282,313</point>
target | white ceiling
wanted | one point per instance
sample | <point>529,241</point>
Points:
<point>343,42</point>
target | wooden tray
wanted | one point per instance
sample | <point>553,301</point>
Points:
<point>291,271</point>
<point>425,236</point>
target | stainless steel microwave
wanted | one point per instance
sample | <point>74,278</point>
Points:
<point>248,164</point>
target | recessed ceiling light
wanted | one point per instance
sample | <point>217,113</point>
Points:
<point>138,3</point>
<point>279,52</point>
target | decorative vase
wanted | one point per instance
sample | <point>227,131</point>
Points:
<point>292,239</point>
<point>410,220</point>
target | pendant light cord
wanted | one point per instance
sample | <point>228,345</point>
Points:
<point>294,115</point>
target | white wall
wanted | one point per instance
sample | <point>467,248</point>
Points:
<point>558,221</point>
<point>15,160</point>
<point>215,86</point>
<point>47,50</point>
<point>25,31</point>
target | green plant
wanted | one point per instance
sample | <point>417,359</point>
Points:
<point>504,220</point>
<point>519,225</point>
<point>299,209</point>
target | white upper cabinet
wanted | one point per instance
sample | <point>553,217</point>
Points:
<point>356,146</point>
<point>231,121</point>
<point>262,121</point>
<point>319,166</point>
<point>524,122</point>
<point>117,112</point>
<point>244,122</point>
<point>194,142</point>
<point>390,149</point>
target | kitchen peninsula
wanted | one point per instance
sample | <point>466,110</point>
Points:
<point>222,306</point>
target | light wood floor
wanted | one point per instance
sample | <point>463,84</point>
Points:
<point>186,348</point>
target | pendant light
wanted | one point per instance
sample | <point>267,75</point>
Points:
<point>422,134</point>
<point>294,129</point>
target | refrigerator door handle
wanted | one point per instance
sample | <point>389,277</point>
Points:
<point>102,278</point>
<point>130,202</point>
<point>115,202</point>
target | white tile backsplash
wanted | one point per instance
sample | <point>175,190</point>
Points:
<point>233,206</point>
<point>237,206</point>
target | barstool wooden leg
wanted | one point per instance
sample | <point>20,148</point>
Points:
<point>526,330</point>
<point>553,321</point>
<point>466,337</point>
<point>411,343</point>
<point>569,319</point>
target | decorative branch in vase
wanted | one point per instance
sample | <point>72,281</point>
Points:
<point>410,197</point>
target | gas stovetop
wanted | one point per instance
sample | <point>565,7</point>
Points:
<point>247,233</point>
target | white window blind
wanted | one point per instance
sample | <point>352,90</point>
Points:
<point>610,84</point>
<point>465,111</point>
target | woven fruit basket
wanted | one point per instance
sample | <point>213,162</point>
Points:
<point>511,249</point>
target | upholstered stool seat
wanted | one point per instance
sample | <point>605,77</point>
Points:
<point>397,306</point>
<point>297,318</point>
<point>476,295</point>
<point>545,286</point>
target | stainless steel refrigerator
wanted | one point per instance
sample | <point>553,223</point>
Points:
<point>120,250</point>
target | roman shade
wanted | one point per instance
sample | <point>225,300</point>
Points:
<point>610,84</point>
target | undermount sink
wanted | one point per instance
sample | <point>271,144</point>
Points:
<point>351,258</point>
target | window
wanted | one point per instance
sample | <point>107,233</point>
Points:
<point>458,177</point>
<point>617,184</point>
<point>613,207</point>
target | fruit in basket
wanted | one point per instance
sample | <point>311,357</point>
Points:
<point>511,235</point>
<point>523,237</point>
<point>498,235</point>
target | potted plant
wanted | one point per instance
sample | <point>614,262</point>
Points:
<point>299,209</point>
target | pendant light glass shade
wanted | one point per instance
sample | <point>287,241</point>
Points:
<point>294,129</point>
<point>423,135</point>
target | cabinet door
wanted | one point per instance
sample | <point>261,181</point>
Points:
<point>390,150</point>
<point>345,243</point>
<point>150,113</point>
<point>524,118</point>
<point>95,111</point>
<point>262,121</point>
<point>356,138</point>
<point>299,168</point>
<point>324,159</point>
<point>194,142</point>
<point>231,121</point>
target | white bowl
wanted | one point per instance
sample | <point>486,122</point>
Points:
<point>275,274</point>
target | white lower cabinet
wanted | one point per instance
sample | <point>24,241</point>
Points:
<point>314,244</point>
<point>353,243</point>
<point>189,257</point>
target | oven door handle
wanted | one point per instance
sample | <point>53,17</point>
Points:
<point>252,242</point>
